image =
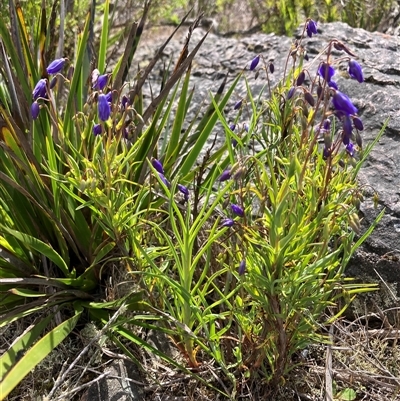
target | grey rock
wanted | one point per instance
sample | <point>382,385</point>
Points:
<point>118,385</point>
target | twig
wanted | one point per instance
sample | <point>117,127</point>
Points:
<point>328,369</point>
<point>86,349</point>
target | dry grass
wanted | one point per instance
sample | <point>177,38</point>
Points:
<point>364,355</point>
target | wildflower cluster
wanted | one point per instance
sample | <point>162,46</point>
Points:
<point>328,89</point>
<point>41,90</point>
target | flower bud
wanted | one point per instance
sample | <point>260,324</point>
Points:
<point>97,129</point>
<point>103,107</point>
<point>358,123</point>
<point>225,176</point>
<point>56,66</point>
<point>164,180</point>
<point>309,98</point>
<point>227,223</point>
<point>271,68</point>
<point>40,89</point>
<point>291,92</point>
<point>242,267</point>
<point>238,105</point>
<point>300,78</point>
<point>236,209</point>
<point>35,108</point>
<point>254,62</point>
<point>158,166</point>
<point>355,71</point>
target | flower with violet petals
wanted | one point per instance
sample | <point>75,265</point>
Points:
<point>158,166</point>
<point>342,103</point>
<point>327,124</point>
<point>242,267</point>
<point>350,149</point>
<point>35,110</point>
<point>101,82</point>
<point>355,71</point>
<point>97,129</point>
<point>56,66</point>
<point>103,108</point>
<point>236,209</point>
<point>40,89</point>
<point>326,71</point>
<point>311,28</point>
<point>225,176</point>
<point>254,63</point>
<point>227,223</point>
<point>109,97</point>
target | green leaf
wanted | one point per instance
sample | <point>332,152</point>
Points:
<point>15,373</point>
<point>347,394</point>
<point>39,246</point>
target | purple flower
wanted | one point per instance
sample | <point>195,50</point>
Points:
<point>311,28</point>
<point>158,166</point>
<point>184,191</point>
<point>326,71</point>
<point>101,82</point>
<point>232,127</point>
<point>355,71</point>
<point>242,267</point>
<point>236,209</point>
<point>358,123</point>
<point>40,89</point>
<point>97,129</point>
<point>327,124</point>
<point>35,110</point>
<point>164,180</point>
<point>109,96</point>
<point>350,149</point>
<point>227,223</point>
<point>342,103</point>
<point>103,108</point>
<point>254,62</point>
<point>225,176</point>
<point>56,66</point>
